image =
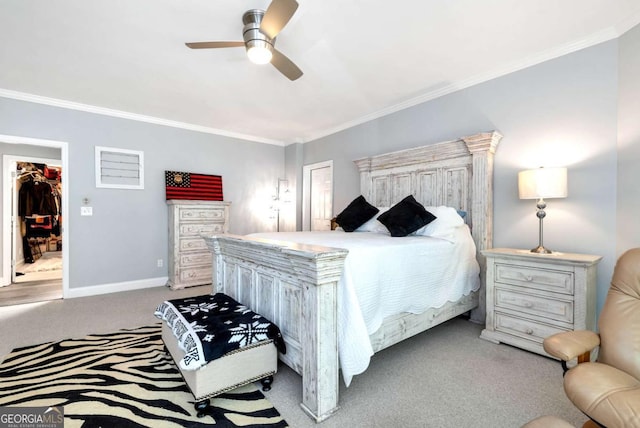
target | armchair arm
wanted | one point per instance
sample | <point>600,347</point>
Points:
<point>572,344</point>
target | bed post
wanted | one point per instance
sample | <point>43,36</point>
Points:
<point>482,148</point>
<point>217,277</point>
<point>364,168</point>
<point>318,276</point>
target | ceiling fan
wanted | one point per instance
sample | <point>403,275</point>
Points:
<point>259,33</point>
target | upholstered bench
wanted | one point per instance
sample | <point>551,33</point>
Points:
<point>219,344</point>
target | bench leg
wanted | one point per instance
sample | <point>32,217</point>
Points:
<point>266,383</point>
<point>201,406</point>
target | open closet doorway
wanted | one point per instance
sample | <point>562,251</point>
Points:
<point>34,256</point>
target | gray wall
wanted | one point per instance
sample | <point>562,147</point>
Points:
<point>128,231</point>
<point>559,113</point>
<point>578,111</point>
<point>628,235</point>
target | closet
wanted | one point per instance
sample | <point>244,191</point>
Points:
<point>39,213</point>
<point>35,233</point>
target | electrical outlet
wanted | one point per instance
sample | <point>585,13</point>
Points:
<point>160,263</point>
<point>86,210</point>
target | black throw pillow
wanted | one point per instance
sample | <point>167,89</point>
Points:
<point>356,214</point>
<point>406,217</point>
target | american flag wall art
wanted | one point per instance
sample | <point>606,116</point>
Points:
<point>187,185</point>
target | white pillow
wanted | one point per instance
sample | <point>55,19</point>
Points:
<point>447,219</point>
<point>373,225</point>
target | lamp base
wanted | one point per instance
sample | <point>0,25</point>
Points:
<point>541,250</point>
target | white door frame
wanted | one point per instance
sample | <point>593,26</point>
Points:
<point>6,205</point>
<point>306,190</point>
<point>9,163</point>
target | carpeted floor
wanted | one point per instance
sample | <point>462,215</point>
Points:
<point>446,377</point>
<point>122,379</point>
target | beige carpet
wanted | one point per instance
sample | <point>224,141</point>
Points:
<point>446,377</point>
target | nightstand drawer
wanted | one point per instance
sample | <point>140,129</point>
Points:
<point>524,328</point>
<point>195,229</point>
<point>539,306</point>
<point>542,279</point>
<point>201,214</point>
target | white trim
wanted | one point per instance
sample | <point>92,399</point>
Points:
<point>8,244</point>
<point>592,40</point>
<point>626,25</point>
<point>64,159</point>
<point>306,190</point>
<point>117,287</point>
<point>22,96</point>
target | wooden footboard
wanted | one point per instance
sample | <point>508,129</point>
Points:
<point>295,286</point>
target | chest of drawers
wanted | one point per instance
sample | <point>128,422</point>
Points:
<point>531,296</point>
<point>190,261</point>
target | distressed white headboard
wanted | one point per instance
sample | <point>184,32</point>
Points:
<point>455,173</point>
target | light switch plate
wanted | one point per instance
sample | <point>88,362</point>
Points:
<point>86,210</point>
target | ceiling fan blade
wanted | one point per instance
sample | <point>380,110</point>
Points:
<point>211,45</point>
<point>276,17</point>
<point>285,65</point>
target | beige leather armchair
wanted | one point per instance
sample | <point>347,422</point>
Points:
<point>608,391</point>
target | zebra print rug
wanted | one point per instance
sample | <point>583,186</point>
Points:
<point>124,379</point>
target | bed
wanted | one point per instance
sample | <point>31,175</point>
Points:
<point>296,284</point>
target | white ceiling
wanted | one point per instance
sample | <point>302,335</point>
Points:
<point>361,59</point>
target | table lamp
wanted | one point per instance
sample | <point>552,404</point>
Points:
<point>541,184</point>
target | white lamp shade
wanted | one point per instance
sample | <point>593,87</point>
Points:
<point>542,183</point>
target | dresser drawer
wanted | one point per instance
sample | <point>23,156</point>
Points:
<point>542,279</point>
<point>193,244</point>
<point>195,259</point>
<point>524,328</point>
<point>201,214</point>
<point>540,306</point>
<point>195,229</point>
<point>201,275</point>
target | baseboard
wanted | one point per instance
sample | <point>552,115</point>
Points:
<point>116,287</point>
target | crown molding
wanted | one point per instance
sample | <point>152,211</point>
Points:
<point>6,93</point>
<point>629,22</point>
<point>594,39</point>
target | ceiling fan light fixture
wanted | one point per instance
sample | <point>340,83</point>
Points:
<point>259,52</point>
<point>259,34</point>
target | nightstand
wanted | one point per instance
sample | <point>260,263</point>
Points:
<point>532,296</point>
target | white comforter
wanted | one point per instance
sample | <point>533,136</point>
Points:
<point>385,276</point>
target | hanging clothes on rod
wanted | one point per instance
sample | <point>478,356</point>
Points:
<point>38,208</point>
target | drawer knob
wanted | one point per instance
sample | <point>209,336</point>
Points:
<point>529,331</point>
